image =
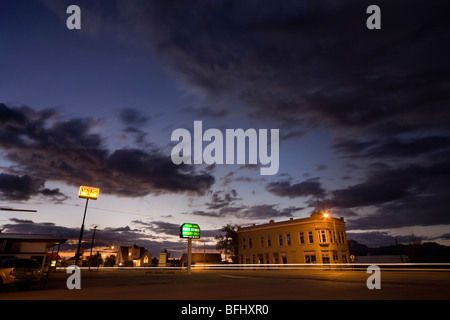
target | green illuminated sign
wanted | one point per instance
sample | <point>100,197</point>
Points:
<point>190,230</point>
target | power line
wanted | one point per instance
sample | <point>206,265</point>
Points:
<point>12,209</point>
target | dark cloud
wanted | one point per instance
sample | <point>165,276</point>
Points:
<point>292,134</point>
<point>206,112</point>
<point>220,199</point>
<point>255,212</point>
<point>383,96</point>
<point>405,196</point>
<point>22,188</point>
<point>31,227</point>
<point>392,147</point>
<point>132,117</point>
<point>409,211</point>
<point>378,238</point>
<point>266,211</point>
<point>163,228</point>
<point>310,187</point>
<point>159,227</point>
<point>310,73</point>
<point>68,151</point>
<point>308,64</point>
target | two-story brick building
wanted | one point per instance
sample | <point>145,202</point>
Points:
<point>317,239</point>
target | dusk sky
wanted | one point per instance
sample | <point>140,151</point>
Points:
<point>363,117</point>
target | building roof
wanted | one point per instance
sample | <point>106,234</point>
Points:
<point>26,237</point>
<point>272,224</point>
<point>125,250</point>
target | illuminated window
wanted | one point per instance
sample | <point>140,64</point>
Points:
<point>145,259</point>
<point>323,238</point>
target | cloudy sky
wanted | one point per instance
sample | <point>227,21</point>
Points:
<point>363,116</point>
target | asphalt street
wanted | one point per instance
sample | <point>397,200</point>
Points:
<point>238,285</point>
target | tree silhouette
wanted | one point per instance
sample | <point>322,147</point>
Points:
<point>229,241</point>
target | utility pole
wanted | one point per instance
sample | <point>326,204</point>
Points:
<point>92,244</point>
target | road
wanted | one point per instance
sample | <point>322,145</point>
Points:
<point>238,285</point>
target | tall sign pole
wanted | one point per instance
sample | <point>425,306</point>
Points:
<point>86,193</point>
<point>189,231</point>
<point>188,269</point>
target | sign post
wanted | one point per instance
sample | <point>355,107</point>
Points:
<point>188,268</point>
<point>86,193</point>
<point>189,231</point>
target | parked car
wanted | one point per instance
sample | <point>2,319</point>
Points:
<point>20,272</point>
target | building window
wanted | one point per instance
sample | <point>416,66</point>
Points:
<point>288,239</point>
<point>310,237</point>
<point>275,258</point>
<point>269,241</point>
<point>302,238</point>
<point>280,240</point>
<point>341,238</point>
<point>335,256</point>
<point>260,258</point>
<point>250,243</point>
<point>261,242</point>
<point>244,243</point>
<point>310,257</point>
<point>322,236</point>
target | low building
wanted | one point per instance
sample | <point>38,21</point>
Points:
<point>317,239</point>
<point>133,256</point>
<point>29,246</point>
<point>202,258</point>
<point>388,258</point>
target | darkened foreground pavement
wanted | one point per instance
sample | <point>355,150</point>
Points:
<point>238,285</point>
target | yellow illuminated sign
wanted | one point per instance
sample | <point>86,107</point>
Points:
<point>88,192</point>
